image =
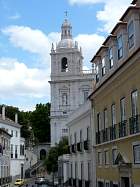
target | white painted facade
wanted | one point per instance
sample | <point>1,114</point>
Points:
<point>5,178</point>
<point>70,85</point>
<point>82,154</point>
<point>16,145</point>
<point>63,169</point>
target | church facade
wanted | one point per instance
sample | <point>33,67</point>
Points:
<point>70,84</point>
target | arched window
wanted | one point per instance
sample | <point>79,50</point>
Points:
<point>64,65</point>
<point>42,154</point>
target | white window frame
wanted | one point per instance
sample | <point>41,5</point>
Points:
<point>120,46</point>
<point>134,145</point>
<point>130,29</point>
<point>111,60</point>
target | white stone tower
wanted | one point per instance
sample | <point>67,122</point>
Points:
<point>70,85</point>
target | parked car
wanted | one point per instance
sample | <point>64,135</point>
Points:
<point>40,180</point>
<point>19,182</point>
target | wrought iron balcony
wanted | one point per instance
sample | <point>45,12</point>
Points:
<point>87,183</point>
<point>105,134</point>
<point>98,137</point>
<point>113,132</point>
<point>79,147</point>
<point>134,124</point>
<point>122,128</point>
<point>73,148</point>
<point>69,149</point>
<point>80,183</point>
<point>86,145</point>
<point>74,183</point>
<point>70,181</point>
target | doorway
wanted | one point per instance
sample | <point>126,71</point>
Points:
<point>125,182</point>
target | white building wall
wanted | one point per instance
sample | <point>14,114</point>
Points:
<point>81,120</point>
<point>14,129</point>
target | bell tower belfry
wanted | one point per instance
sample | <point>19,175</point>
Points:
<point>69,85</point>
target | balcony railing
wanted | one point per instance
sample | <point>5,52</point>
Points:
<point>122,128</point>
<point>73,148</point>
<point>79,147</point>
<point>70,181</point>
<point>119,130</point>
<point>74,183</point>
<point>134,124</point>
<point>69,149</point>
<point>86,145</point>
<point>105,134</point>
<point>80,183</point>
<point>113,132</point>
<point>87,183</point>
<point>98,137</point>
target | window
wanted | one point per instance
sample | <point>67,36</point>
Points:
<point>81,136</point>
<point>131,34</point>
<point>122,109</point>
<point>64,65</point>
<point>85,93</point>
<point>64,99</point>
<point>99,158</point>
<point>88,133</point>
<point>82,170</point>
<point>16,155</point>
<point>111,63</point>
<point>98,122</point>
<point>134,102</point>
<point>113,114</point>
<point>16,134</point>
<point>97,73</point>
<point>81,140</point>
<point>21,149</point>
<point>136,153</point>
<point>75,138</point>
<point>107,184</point>
<point>89,171</point>
<point>120,47</point>
<point>106,157</point>
<point>114,155</point>
<point>11,150</point>
<point>103,66</point>
<point>71,170</point>
<point>76,170</point>
<point>11,132</point>
<point>105,119</point>
<point>64,130</point>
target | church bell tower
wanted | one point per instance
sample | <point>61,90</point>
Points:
<point>68,82</point>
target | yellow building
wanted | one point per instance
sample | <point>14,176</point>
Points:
<point>116,104</point>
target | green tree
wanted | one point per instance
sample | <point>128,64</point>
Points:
<point>51,162</point>
<point>40,121</point>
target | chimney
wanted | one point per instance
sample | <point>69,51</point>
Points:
<point>16,118</point>
<point>3,112</point>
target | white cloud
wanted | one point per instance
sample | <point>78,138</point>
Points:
<point>90,43</point>
<point>31,40</point>
<point>17,80</point>
<point>111,13</point>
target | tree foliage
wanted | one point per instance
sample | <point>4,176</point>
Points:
<point>38,121</point>
<point>51,162</point>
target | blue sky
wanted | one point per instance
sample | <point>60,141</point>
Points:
<point>27,29</point>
